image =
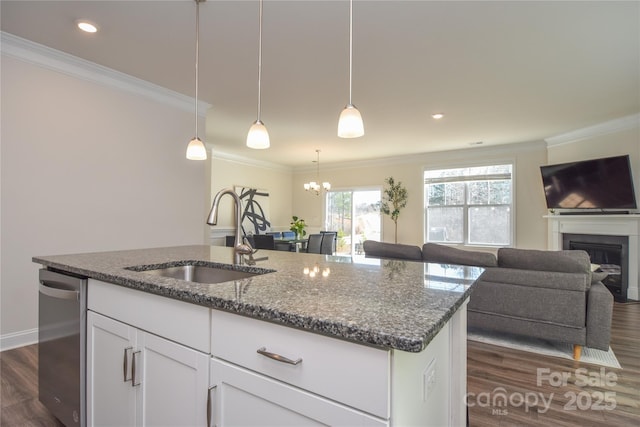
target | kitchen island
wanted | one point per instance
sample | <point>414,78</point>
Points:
<point>305,339</point>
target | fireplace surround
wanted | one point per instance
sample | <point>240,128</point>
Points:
<point>604,233</point>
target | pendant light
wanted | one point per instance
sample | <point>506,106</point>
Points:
<point>315,185</point>
<point>350,122</point>
<point>258,137</point>
<point>196,149</point>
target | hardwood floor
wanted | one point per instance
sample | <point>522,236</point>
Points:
<point>491,371</point>
<point>583,399</point>
<point>19,405</point>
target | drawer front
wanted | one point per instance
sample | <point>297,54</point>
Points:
<point>353,374</point>
<point>244,398</point>
<point>178,321</point>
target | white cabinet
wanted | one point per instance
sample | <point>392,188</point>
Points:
<point>352,374</point>
<point>244,398</point>
<point>378,386</point>
<point>147,359</point>
<point>137,378</point>
<point>184,354</point>
<point>110,397</point>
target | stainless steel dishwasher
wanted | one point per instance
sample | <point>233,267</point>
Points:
<point>61,345</point>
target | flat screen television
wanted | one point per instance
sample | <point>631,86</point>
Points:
<point>590,184</point>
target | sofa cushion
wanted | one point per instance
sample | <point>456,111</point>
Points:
<point>574,282</point>
<point>432,252</point>
<point>571,261</point>
<point>377,249</point>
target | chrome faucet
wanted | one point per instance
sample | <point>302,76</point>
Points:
<point>240,248</point>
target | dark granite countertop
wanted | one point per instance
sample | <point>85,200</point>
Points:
<point>387,303</point>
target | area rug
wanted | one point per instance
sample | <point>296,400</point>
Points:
<point>548,348</point>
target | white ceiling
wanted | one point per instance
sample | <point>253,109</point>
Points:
<point>501,72</point>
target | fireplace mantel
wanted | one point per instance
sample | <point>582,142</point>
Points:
<point>607,225</point>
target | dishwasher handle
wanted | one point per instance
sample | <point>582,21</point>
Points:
<point>58,293</point>
<point>60,286</point>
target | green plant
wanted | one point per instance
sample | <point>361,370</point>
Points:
<point>298,226</point>
<point>394,199</point>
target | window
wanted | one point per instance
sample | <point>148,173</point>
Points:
<point>355,215</point>
<point>469,205</point>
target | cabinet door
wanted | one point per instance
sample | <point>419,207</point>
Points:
<point>242,397</point>
<point>174,382</point>
<point>110,395</point>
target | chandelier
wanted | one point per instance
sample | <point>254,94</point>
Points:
<point>315,186</point>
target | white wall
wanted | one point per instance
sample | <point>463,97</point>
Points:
<point>530,207</point>
<point>86,167</point>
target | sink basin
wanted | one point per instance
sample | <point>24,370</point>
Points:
<point>202,273</point>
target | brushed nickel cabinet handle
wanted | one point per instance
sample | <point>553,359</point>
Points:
<point>209,405</point>
<point>125,364</point>
<point>133,369</point>
<point>263,351</point>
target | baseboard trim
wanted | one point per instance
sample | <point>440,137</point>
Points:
<point>18,339</point>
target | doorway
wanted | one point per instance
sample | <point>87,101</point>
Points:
<point>355,215</point>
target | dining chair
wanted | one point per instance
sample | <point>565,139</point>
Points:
<point>314,244</point>
<point>328,246</point>
<point>264,241</point>
<point>229,241</point>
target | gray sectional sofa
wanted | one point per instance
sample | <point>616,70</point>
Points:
<point>544,294</point>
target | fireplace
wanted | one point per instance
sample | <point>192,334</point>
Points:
<point>622,232</point>
<point>611,253</point>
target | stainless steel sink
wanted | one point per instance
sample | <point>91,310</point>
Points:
<point>202,273</point>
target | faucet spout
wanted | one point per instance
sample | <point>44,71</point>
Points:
<point>240,247</point>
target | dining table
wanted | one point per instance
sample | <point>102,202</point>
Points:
<point>295,244</point>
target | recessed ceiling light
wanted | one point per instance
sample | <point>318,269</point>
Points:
<point>437,116</point>
<point>86,26</point>
<point>476,143</point>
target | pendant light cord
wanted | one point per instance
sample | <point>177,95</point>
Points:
<point>260,61</point>
<point>197,56</point>
<point>350,48</point>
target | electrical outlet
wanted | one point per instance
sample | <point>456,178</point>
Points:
<point>428,380</point>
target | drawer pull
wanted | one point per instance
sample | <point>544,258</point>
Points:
<point>263,351</point>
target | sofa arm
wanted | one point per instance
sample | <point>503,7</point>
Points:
<point>599,313</point>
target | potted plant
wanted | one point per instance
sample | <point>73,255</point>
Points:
<point>394,199</point>
<point>297,226</point>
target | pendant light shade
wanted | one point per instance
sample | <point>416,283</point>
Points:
<point>350,123</point>
<point>196,149</point>
<point>258,137</point>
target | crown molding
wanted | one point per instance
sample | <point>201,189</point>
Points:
<point>236,158</point>
<point>55,60</point>
<point>612,126</point>
<point>500,151</point>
